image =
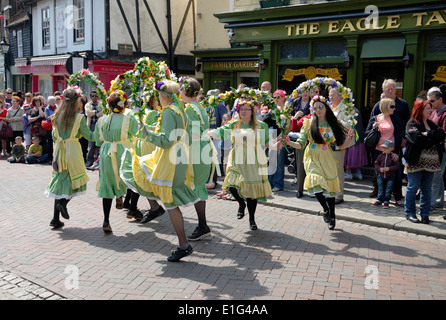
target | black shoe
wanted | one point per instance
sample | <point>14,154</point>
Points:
<point>332,223</point>
<point>425,220</point>
<point>119,203</point>
<point>253,225</point>
<point>106,227</point>
<point>180,253</point>
<point>326,216</point>
<point>444,217</point>
<point>413,219</point>
<point>199,234</point>
<point>153,214</point>
<point>374,193</point>
<point>299,194</point>
<point>135,214</point>
<point>61,206</point>
<point>56,224</point>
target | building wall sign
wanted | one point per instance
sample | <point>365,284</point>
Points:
<point>440,75</point>
<point>415,20</point>
<point>231,65</point>
<point>311,72</point>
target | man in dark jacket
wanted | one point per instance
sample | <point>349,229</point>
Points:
<point>435,97</point>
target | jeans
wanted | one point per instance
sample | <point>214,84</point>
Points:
<point>438,186</point>
<point>277,162</point>
<point>419,180</point>
<point>33,160</point>
<point>385,187</point>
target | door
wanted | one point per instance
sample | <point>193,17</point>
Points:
<point>374,75</point>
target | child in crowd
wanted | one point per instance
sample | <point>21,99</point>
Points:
<point>18,151</point>
<point>386,168</point>
<point>225,148</point>
<point>26,126</point>
<point>35,152</point>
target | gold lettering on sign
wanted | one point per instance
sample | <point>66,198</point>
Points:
<point>310,73</point>
<point>419,19</point>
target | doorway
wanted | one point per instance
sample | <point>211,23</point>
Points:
<point>374,75</point>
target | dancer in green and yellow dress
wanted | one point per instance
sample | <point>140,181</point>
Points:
<point>113,133</point>
<point>202,153</point>
<point>321,131</point>
<point>69,178</point>
<point>165,174</point>
<point>247,169</point>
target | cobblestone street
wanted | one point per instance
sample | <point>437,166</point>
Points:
<point>293,255</point>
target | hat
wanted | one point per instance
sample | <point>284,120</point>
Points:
<point>388,144</point>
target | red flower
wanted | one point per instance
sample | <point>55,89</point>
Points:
<point>121,77</point>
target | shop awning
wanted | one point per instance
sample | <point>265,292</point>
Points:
<point>59,60</point>
<point>383,48</point>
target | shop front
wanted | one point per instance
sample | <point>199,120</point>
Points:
<point>50,73</point>
<point>401,40</point>
<point>224,69</point>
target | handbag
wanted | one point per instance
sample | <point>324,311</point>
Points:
<point>47,125</point>
<point>372,138</point>
<point>6,131</point>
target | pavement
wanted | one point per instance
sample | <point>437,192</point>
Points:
<point>292,256</point>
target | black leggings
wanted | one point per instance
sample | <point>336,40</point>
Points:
<point>131,200</point>
<point>252,203</point>
<point>327,203</point>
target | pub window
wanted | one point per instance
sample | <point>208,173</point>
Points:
<point>330,50</point>
<point>437,44</point>
<point>46,27</point>
<point>79,20</point>
<point>294,51</point>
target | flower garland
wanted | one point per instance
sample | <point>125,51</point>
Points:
<point>346,93</point>
<point>91,79</point>
<point>144,77</point>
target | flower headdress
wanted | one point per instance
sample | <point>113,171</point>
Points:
<point>77,90</point>
<point>319,99</point>
<point>122,100</point>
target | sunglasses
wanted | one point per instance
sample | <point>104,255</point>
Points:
<point>93,96</point>
<point>432,101</point>
<point>8,92</point>
<point>392,107</point>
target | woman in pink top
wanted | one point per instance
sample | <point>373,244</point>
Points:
<point>384,123</point>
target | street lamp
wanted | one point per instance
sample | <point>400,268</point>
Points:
<point>4,48</point>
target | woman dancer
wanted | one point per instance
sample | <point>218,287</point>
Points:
<point>201,153</point>
<point>322,131</point>
<point>247,172</point>
<point>113,133</point>
<point>69,178</point>
<point>165,174</point>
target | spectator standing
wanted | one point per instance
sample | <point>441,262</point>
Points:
<point>26,126</point>
<point>15,118</point>
<point>338,108</point>
<point>423,156</point>
<point>400,118</point>
<point>356,155</point>
<point>385,167</point>
<point>50,109</point>
<point>93,113</point>
<point>277,158</point>
<point>214,123</point>
<point>389,127</point>
<point>435,97</point>
<point>3,115</point>
<point>9,95</point>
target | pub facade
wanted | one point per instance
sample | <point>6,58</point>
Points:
<point>359,43</point>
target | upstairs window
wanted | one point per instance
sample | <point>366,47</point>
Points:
<point>79,20</point>
<point>46,28</point>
